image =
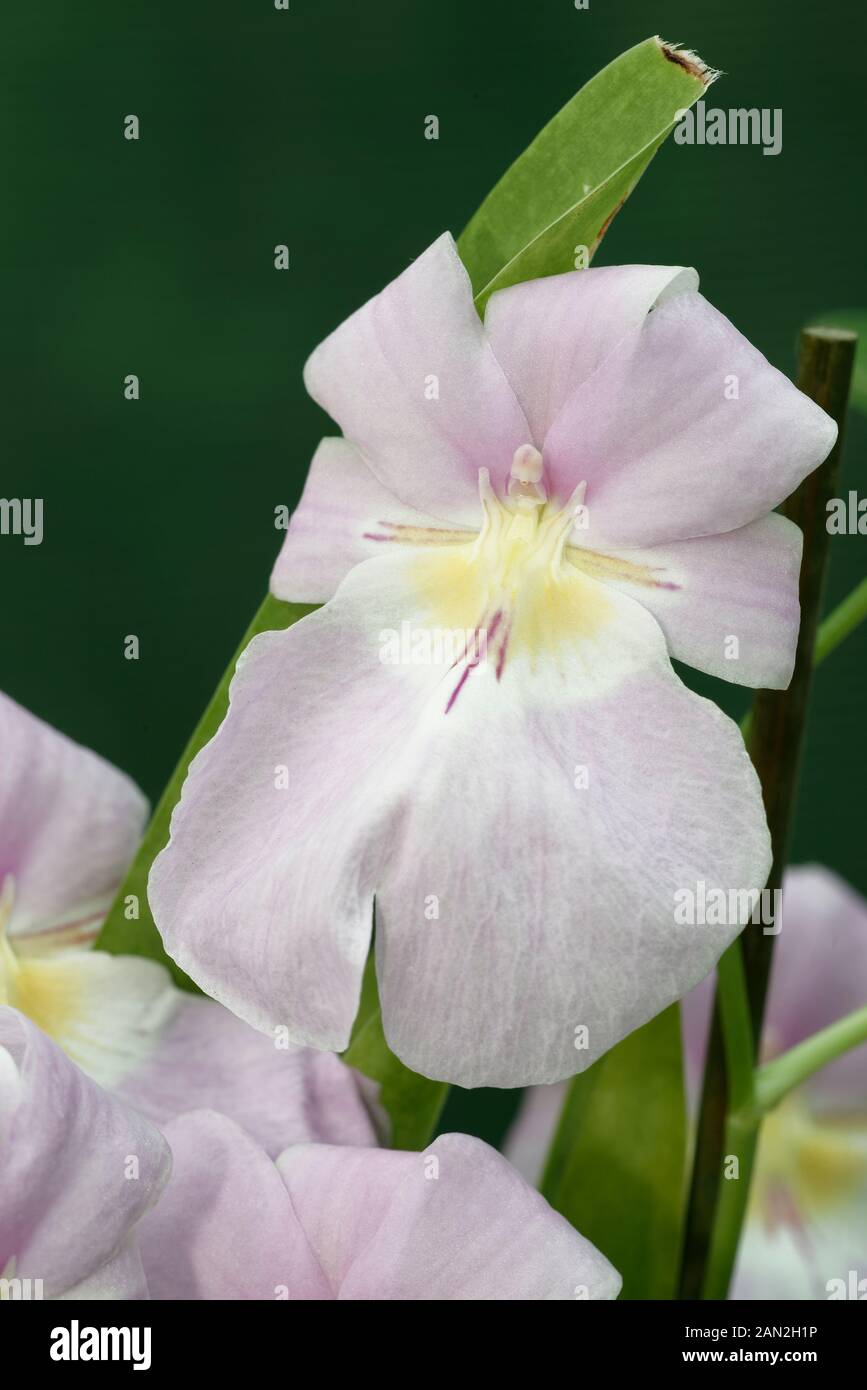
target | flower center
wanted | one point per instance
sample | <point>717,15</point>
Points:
<point>525,533</point>
<point>513,582</point>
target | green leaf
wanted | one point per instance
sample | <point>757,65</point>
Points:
<point>856,321</point>
<point>122,935</point>
<point>563,191</point>
<point>617,1162</point>
<point>412,1102</point>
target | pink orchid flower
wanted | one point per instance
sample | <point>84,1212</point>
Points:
<point>69,825</point>
<point>805,1235</point>
<point>580,489</point>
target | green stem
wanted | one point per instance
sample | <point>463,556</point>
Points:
<point>740,1132</point>
<point>740,1143</point>
<point>776,1079</point>
<point>736,1027</point>
<point>838,624</point>
<point>716,1205</point>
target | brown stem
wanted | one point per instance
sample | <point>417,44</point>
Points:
<point>779,716</point>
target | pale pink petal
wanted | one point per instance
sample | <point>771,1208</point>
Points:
<point>345,516</point>
<point>550,335</point>
<point>77,1168</point>
<point>69,825</point>
<point>413,383</point>
<point>666,453</point>
<point>225,1227</point>
<point>207,1059</point>
<point>728,604</point>
<point>556,901</point>
<point>121,1278</point>
<point>265,892</point>
<point>453,1223</point>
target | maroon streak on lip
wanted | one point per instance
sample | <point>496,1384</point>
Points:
<point>458,688</point>
<point>470,660</point>
<point>501,655</point>
<point>490,629</point>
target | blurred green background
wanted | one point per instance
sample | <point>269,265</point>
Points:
<point>306,127</point>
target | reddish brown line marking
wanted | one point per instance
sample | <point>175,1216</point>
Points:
<point>457,690</point>
<point>501,658</point>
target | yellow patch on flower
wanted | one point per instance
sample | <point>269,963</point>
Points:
<point>819,1163</point>
<point>43,989</point>
<point>512,582</point>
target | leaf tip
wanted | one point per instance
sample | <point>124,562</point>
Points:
<point>689,61</point>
